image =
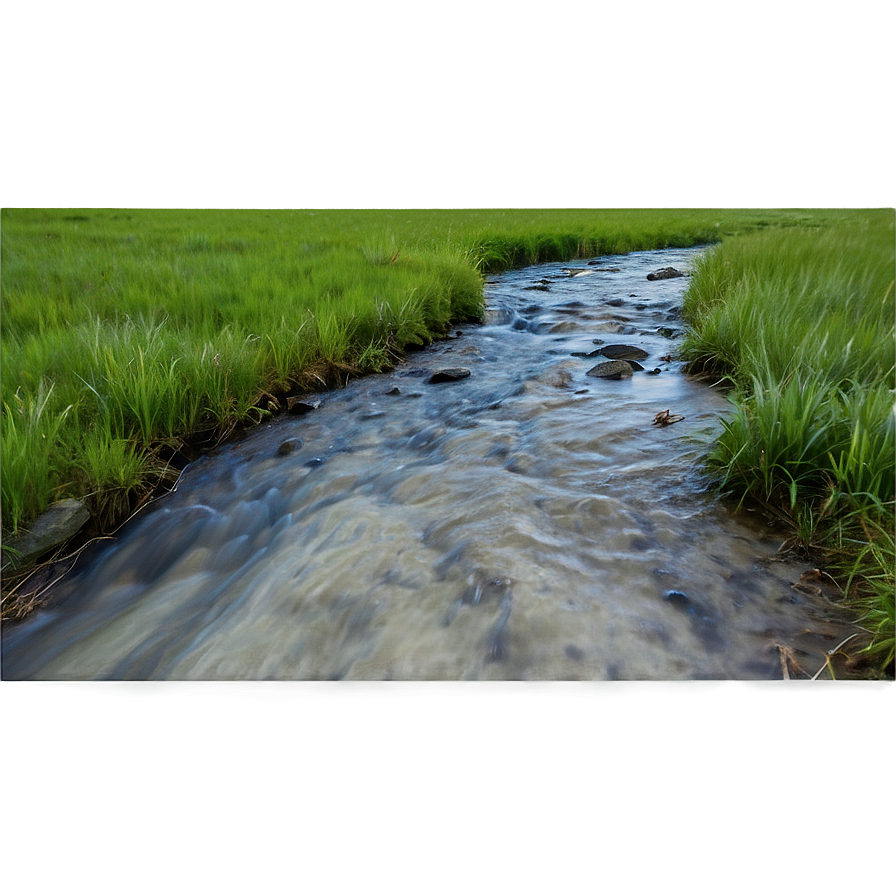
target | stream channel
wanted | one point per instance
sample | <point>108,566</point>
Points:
<point>526,522</point>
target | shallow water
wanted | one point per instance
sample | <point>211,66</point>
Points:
<point>527,522</point>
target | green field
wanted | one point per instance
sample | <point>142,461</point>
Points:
<point>127,332</point>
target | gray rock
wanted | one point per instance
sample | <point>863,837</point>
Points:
<point>612,370</point>
<point>668,332</point>
<point>56,525</point>
<point>665,274</point>
<point>394,391</point>
<point>449,375</point>
<point>623,352</point>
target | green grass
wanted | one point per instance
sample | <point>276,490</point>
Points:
<point>126,331</point>
<point>801,323</point>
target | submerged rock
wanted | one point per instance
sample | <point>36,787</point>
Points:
<point>56,525</point>
<point>558,377</point>
<point>624,352</point>
<point>289,446</point>
<point>665,274</point>
<point>449,375</point>
<point>579,653</point>
<point>612,370</point>
<point>680,600</point>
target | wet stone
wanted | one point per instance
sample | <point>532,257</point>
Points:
<point>394,391</point>
<point>60,522</point>
<point>612,370</point>
<point>680,601</point>
<point>289,446</point>
<point>665,274</point>
<point>623,352</point>
<point>449,375</point>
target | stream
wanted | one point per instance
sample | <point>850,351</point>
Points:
<point>525,522</point>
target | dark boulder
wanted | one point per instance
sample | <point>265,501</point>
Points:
<point>612,370</point>
<point>623,352</point>
<point>665,274</point>
<point>449,375</point>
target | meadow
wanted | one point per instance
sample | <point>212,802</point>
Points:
<point>129,334</point>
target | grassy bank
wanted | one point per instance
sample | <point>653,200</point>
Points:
<point>802,324</point>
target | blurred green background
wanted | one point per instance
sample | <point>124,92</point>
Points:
<point>447,104</point>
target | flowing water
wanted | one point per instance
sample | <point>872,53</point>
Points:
<point>526,522</point>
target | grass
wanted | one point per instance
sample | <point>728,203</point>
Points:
<point>801,324</point>
<point>126,332</point>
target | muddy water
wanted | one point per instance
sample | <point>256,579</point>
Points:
<point>526,522</point>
